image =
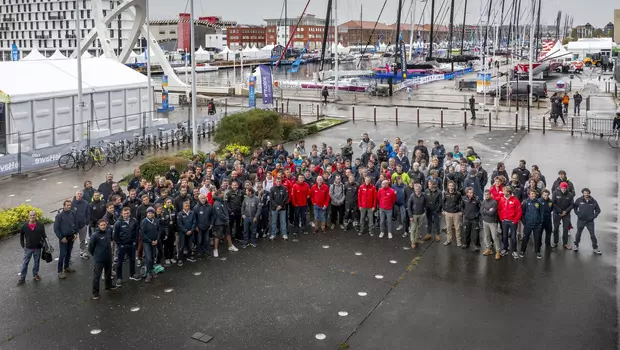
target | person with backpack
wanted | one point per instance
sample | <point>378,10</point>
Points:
<point>31,236</point>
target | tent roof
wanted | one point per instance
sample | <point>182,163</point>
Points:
<point>225,50</point>
<point>268,47</point>
<point>34,55</point>
<point>57,55</point>
<point>557,51</point>
<point>29,80</point>
<point>87,55</point>
<point>247,49</point>
<point>201,50</point>
<point>255,49</point>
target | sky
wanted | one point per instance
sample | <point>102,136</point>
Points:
<point>597,12</point>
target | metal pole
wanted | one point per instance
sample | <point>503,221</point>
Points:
<point>336,75</point>
<point>78,39</point>
<point>353,113</point>
<point>148,66</point>
<point>194,96</point>
<point>396,111</point>
<point>531,70</point>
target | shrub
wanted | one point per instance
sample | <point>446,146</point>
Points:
<point>245,150</point>
<point>312,129</point>
<point>298,134</point>
<point>249,128</point>
<point>11,219</point>
<point>159,166</point>
<point>189,155</point>
<point>288,125</point>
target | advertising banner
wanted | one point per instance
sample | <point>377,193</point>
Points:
<point>266,84</point>
<point>14,53</point>
<point>403,60</point>
<point>252,92</point>
<point>164,92</point>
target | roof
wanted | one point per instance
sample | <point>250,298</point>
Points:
<point>590,44</point>
<point>365,25</point>
<point>29,80</point>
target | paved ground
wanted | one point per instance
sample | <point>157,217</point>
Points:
<point>281,295</point>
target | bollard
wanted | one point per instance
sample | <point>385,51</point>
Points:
<point>516,122</point>
<point>465,119</point>
<point>490,121</point>
<point>544,124</point>
<point>300,111</point>
<point>396,111</point>
<point>282,108</point>
<point>353,113</point>
<point>441,120</point>
<point>572,126</point>
<point>318,115</point>
<point>172,137</point>
<point>375,115</point>
<point>204,130</point>
<point>418,116</point>
<point>538,104</point>
<point>225,107</point>
<point>287,102</point>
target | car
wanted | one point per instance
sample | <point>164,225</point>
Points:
<point>519,90</point>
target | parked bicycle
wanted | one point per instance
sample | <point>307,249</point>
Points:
<point>83,159</point>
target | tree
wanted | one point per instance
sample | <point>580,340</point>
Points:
<point>598,33</point>
<point>573,33</point>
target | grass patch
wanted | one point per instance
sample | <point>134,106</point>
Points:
<point>343,346</point>
<point>325,123</point>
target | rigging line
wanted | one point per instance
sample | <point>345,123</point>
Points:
<point>423,12</point>
<point>293,34</point>
<point>373,31</point>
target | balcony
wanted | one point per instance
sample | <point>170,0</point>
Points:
<point>56,17</point>
<point>8,19</point>
<point>44,37</point>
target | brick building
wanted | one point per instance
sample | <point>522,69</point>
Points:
<point>310,30</point>
<point>242,36</point>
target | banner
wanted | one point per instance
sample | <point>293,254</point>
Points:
<point>14,53</point>
<point>164,92</point>
<point>403,60</point>
<point>266,84</point>
<point>252,92</point>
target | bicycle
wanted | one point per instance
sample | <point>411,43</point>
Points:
<point>98,155</point>
<point>67,161</point>
<point>613,139</point>
<point>84,160</point>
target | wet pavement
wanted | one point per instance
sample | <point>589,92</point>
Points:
<point>282,295</point>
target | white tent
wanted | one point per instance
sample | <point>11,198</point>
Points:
<point>34,55</point>
<point>342,49</point>
<point>87,55</point>
<point>202,55</point>
<point>57,56</point>
<point>142,58</point>
<point>257,53</point>
<point>247,53</point>
<point>42,97</point>
<point>225,54</point>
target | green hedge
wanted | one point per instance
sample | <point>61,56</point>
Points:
<point>160,166</point>
<point>251,128</point>
<point>189,155</point>
<point>12,219</point>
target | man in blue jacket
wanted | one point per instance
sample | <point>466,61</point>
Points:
<point>587,210</point>
<point>125,235</point>
<point>204,218</point>
<point>149,228</point>
<point>547,214</point>
<point>439,151</point>
<point>186,223</point>
<point>532,218</point>
<point>99,246</point>
<point>65,228</point>
<point>81,210</point>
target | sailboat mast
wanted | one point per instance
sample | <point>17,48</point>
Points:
<point>411,31</point>
<point>400,63</point>
<point>517,32</point>
<point>501,23</point>
<point>464,18</point>
<point>537,36</point>
<point>336,47</point>
<point>325,34</point>
<point>486,33</point>
<point>361,25</point>
<point>450,38</point>
<point>430,39</point>
<point>286,27</point>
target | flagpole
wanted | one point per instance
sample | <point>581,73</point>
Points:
<point>80,96</point>
<point>336,46</point>
<point>193,65</point>
<point>148,65</point>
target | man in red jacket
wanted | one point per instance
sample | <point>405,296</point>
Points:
<point>386,198</point>
<point>288,181</point>
<point>510,211</point>
<point>367,199</point>
<point>319,195</point>
<point>300,192</point>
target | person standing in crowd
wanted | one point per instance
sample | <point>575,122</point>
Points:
<point>366,142</point>
<point>451,207</point>
<point>416,207</point>
<point>319,195</point>
<point>434,208</point>
<point>439,151</point>
<point>532,218</point>
<point>488,214</point>
<point>386,199</point>
<point>562,206</point>
<point>300,192</point>
<point>563,178</point>
<point>31,236</point>
<point>400,205</point>
<point>470,207</point>
<point>351,214</point>
<point>510,211</point>
<point>105,188</point>
<point>250,212</point>
<point>500,170</point>
<point>337,198</point>
<point>65,228</point>
<point>186,223</point>
<point>100,247</point>
<point>168,222</point>
<point>204,216</point>
<point>134,183</point>
<point>547,213</point>
<point>577,99</point>
<point>367,201</point>
<point>347,150</point>
<point>220,221</point>
<point>125,235</point>
<point>80,208</point>
<point>422,148</point>
<point>587,210</point>
<point>522,172</point>
<point>149,228</point>
<point>279,199</point>
<point>234,199</point>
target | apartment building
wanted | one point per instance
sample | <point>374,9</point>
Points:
<point>309,31</point>
<point>51,24</point>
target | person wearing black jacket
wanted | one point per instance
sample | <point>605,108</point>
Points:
<point>420,146</point>
<point>433,211</point>
<point>562,206</point>
<point>563,178</point>
<point>522,172</point>
<point>134,183</point>
<point>31,236</point>
<point>279,199</point>
<point>180,199</point>
<point>204,218</point>
<point>587,210</point>
<point>263,197</point>
<point>416,210</point>
<point>133,202</point>
<point>105,188</point>
<point>531,217</point>
<point>470,207</point>
<point>65,228</point>
<point>80,208</point>
<point>125,235</point>
<point>452,213</point>
<point>140,215</point>
<point>220,221</point>
<point>351,211</point>
<point>99,246</point>
<point>186,224</point>
<point>234,200</point>
<point>488,214</point>
<point>149,227</point>
<point>347,150</point>
<point>167,224</point>
<point>547,214</point>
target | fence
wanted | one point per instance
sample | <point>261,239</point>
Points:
<point>155,138</point>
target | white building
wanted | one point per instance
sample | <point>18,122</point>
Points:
<point>50,24</point>
<point>582,47</point>
<point>217,40</point>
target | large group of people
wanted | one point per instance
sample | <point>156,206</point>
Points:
<point>235,201</point>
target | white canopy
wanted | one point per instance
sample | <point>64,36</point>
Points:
<point>141,58</point>
<point>87,55</point>
<point>34,55</point>
<point>268,48</point>
<point>202,55</point>
<point>225,54</point>
<point>342,49</point>
<point>248,53</point>
<point>57,56</point>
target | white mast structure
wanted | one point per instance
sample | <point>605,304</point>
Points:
<point>336,48</point>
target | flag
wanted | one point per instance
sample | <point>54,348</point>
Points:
<point>266,84</point>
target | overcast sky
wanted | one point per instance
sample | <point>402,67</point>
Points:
<point>597,12</point>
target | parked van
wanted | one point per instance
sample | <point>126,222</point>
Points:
<point>539,90</point>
